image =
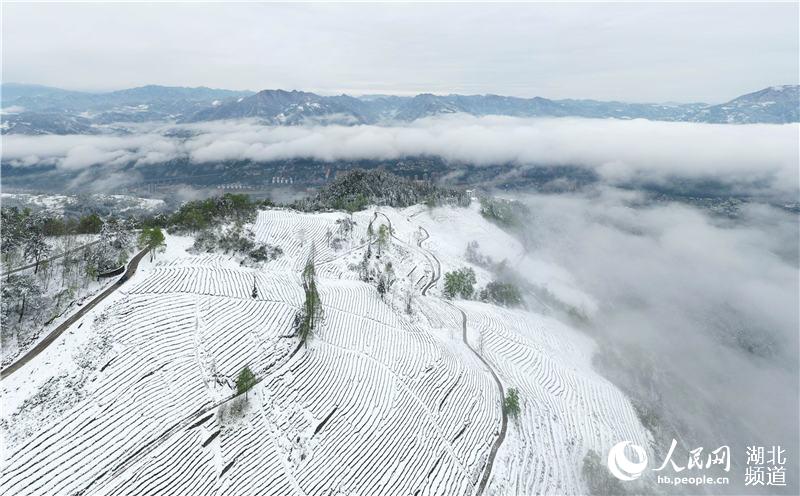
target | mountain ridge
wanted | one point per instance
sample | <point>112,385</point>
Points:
<point>31,109</point>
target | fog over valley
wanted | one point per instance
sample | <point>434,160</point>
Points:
<point>757,159</point>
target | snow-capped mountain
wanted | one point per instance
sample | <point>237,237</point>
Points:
<point>772,105</point>
<point>34,109</point>
<point>285,107</point>
<point>70,112</point>
<point>34,123</point>
<point>295,107</point>
<point>776,104</point>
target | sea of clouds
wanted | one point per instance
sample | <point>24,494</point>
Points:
<point>618,150</point>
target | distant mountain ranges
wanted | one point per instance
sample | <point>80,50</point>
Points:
<point>32,109</point>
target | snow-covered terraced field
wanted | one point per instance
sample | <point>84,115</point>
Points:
<point>379,402</point>
<point>294,232</point>
<point>567,408</point>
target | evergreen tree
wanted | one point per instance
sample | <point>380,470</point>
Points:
<point>245,381</point>
<point>511,403</point>
<point>311,313</point>
<point>383,238</point>
<point>502,293</point>
<point>382,286</point>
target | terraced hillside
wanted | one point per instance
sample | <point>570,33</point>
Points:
<point>381,400</point>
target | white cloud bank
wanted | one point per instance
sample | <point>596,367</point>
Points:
<point>618,150</point>
<point>696,315</point>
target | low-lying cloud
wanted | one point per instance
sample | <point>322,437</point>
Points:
<point>618,150</point>
<point>696,314</point>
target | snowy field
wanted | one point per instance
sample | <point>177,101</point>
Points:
<point>135,398</point>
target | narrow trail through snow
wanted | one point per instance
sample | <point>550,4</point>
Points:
<point>504,427</point>
<point>436,271</point>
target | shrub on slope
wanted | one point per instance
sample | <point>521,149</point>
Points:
<point>506,294</point>
<point>459,282</point>
<point>511,403</point>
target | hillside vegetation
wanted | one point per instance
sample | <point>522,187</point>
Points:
<point>354,190</point>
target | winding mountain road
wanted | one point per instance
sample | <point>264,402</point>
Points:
<point>504,422</point>
<point>504,425</point>
<point>55,333</point>
<point>437,271</point>
<point>435,268</point>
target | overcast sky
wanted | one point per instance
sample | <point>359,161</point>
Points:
<point>631,52</point>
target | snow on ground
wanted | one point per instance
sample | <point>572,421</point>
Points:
<point>56,204</point>
<point>567,408</point>
<point>58,376</point>
<point>379,402</point>
<point>15,344</point>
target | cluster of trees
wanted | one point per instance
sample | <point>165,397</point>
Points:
<point>506,213</point>
<point>474,256</point>
<point>197,215</point>
<point>350,203</point>
<point>460,283</point>
<point>501,293</point>
<point>22,238</point>
<point>30,238</point>
<point>24,233</point>
<point>370,269</point>
<point>22,295</point>
<point>62,265</point>
<point>343,233</point>
<point>238,241</point>
<point>355,189</point>
<point>207,220</point>
<point>386,279</point>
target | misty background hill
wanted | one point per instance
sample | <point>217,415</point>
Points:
<point>36,110</point>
